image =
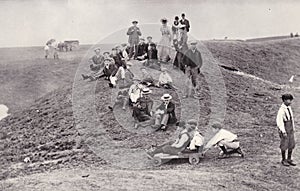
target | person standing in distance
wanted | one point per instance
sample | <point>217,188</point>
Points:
<point>185,22</point>
<point>286,128</point>
<point>134,34</point>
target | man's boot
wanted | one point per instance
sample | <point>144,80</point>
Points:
<point>284,161</point>
<point>239,151</point>
<point>84,77</point>
<point>225,153</point>
<point>289,159</point>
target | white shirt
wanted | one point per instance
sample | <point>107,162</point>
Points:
<point>125,55</point>
<point>134,92</point>
<point>164,78</point>
<point>46,47</point>
<point>222,134</point>
<point>198,140</point>
<point>282,116</point>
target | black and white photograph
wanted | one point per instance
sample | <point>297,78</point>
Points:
<point>149,95</point>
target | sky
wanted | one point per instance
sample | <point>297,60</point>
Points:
<point>33,22</point>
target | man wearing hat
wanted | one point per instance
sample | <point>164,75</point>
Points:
<point>192,61</point>
<point>286,128</point>
<point>185,22</point>
<point>142,50</point>
<point>134,33</point>
<point>135,91</point>
<point>227,141</point>
<point>165,80</point>
<point>147,78</point>
<point>181,47</point>
<point>106,54</point>
<point>97,60</point>
<point>165,113</point>
<point>108,70</point>
<point>143,107</point>
<point>179,145</point>
<point>149,43</point>
<point>127,80</point>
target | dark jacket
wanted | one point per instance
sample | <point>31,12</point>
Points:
<point>192,59</point>
<point>142,49</point>
<point>118,61</point>
<point>98,60</point>
<point>134,33</point>
<point>110,71</point>
<point>170,110</point>
<point>186,23</point>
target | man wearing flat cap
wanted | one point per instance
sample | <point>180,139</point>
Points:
<point>97,60</point>
<point>179,145</point>
<point>192,61</point>
<point>142,108</point>
<point>134,34</point>
<point>142,50</point>
<point>181,47</point>
<point>286,128</point>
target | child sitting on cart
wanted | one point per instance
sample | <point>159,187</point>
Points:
<point>182,142</point>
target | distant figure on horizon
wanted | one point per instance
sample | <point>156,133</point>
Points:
<point>133,33</point>
<point>185,22</point>
<point>46,49</point>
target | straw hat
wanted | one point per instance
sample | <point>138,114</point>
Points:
<point>146,91</point>
<point>166,97</point>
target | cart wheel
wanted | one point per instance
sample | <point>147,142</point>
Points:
<point>194,160</point>
<point>157,161</point>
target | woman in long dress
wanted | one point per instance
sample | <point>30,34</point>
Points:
<point>164,46</point>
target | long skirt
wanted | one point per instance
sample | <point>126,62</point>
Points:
<point>164,48</point>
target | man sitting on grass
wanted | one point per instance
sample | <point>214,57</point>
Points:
<point>165,80</point>
<point>135,92</point>
<point>142,109</point>
<point>147,78</point>
<point>180,144</point>
<point>96,61</point>
<point>108,70</point>
<point>165,113</point>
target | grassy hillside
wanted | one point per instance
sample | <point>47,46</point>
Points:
<point>52,134</point>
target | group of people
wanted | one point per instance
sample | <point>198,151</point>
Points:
<point>51,48</point>
<point>191,140</point>
<point>115,67</point>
